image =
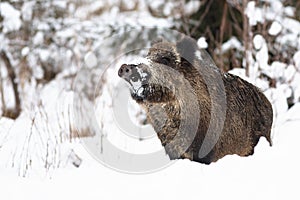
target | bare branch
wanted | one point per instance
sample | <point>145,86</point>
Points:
<point>11,113</point>
<point>246,36</point>
<point>202,17</point>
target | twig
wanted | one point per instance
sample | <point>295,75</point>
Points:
<point>202,16</point>
<point>2,93</point>
<point>236,22</point>
<point>222,30</point>
<point>246,39</point>
<point>13,114</point>
<point>185,19</point>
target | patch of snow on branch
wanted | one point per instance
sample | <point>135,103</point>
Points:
<point>262,56</point>
<point>168,8</point>
<point>25,51</point>
<point>275,28</point>
<point>253,13</point>
<point>292,25</point>
<point>297,59</point>
<point>11,21</point>
<point>90,60</point>
<point>191,7</point>
<point>289,11</point>
<point>232,43</point>
<point>130,4</point>
<point>202,44</point>
<point>60,3</point>
<point>27,10</point>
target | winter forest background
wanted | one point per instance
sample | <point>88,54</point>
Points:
<point>45,45</point>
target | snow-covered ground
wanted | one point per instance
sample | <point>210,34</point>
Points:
<point>37,146</point>
<point>272,173</point>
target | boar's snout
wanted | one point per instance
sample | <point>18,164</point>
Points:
<point>133,73</point>
<point>126,71</point>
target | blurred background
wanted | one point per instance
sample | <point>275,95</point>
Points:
<point>44,45</point>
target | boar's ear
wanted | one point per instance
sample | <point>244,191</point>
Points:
<point>186,48</point>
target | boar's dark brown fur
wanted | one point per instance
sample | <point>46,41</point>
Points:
<point>248,114</point>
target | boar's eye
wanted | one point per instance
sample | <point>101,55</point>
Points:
<point>165,61</point>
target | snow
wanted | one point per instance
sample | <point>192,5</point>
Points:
<point>43,26</point>
<point>292,25</point>
<point>278,69</point>
<point>231,44</point>
<point>25,51</point>
<point>262,56</point>
<point>116,110</point>
<point>8,91</point>
<point>233,177</point>
<point>90,59</point>
<point>144,19</point>
<point>168,8</point>
<point>137,85</point>
<point>258,42</point>
<point>44,154</point>
<point>38,39</point>
<point>60,3</point>
<point>289,72</point>
<point>293,113</point>
<point>38,72</point>
<point>130,4</point>
<point>276,5</point>
<point>142,74</point>
<point>289,11</point>
<point>156,4</point>
<point>286,90</point>
<point>296,58</point>
<point>253,13</point>
<point>92,7</point>
<point>202,44</point>
<point>12,21</point>
<point>275,28</point>
<point>27,10</point>
<point>191,7</point>
<point>65,33</point>
<point>44,54</point>
<point>198,55</point>
<point>296,86</point>
<point>262,176</point>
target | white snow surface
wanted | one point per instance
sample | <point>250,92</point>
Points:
<point>272,173</point>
